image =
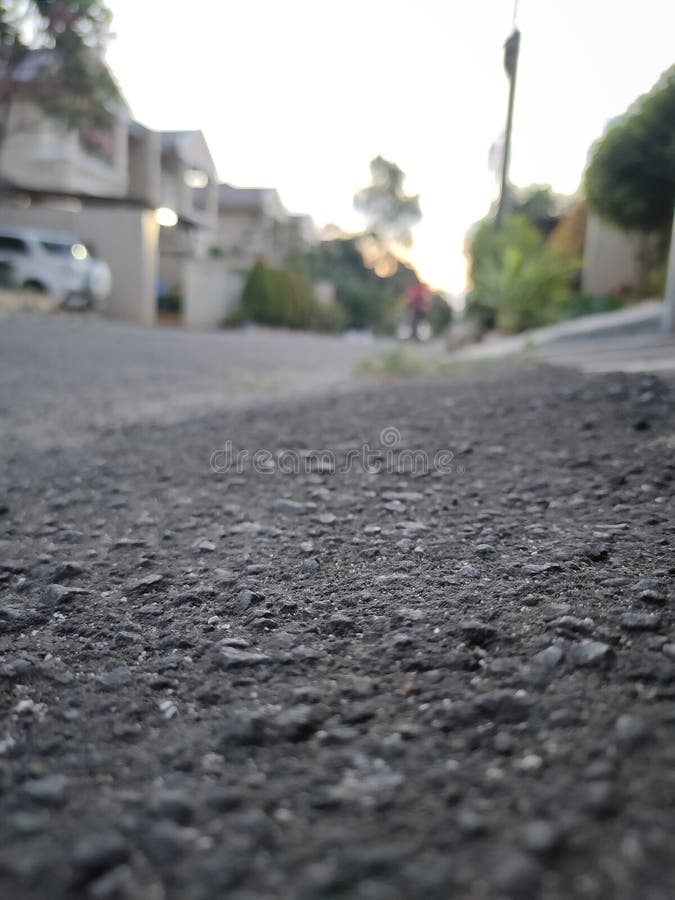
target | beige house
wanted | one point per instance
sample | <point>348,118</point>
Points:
<point>50,180</point>
<point>147,202</point>
<point>188,186</point>
<point>611,261</point>
<point>253,224</point>
<point>40,153</point>
<point>107,185</point>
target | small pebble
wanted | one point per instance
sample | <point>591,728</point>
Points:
<point>541,836</point>
<point>639,621</point>
<point>47,791</point>
<point>630,731</point>
<point>310,565</point>
<point>590,653</point>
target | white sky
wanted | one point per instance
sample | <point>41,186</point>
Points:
<point>300,95</point>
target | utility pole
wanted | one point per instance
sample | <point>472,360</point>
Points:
<point>511,48</point>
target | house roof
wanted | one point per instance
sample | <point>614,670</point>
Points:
<point>138,130</point>
<point>176,140</point>
<point>240,198</point>
<point>258,199</point>
<point>190,146</point>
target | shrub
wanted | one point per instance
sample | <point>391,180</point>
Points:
<point>588,304</point>
<point>282,297</point>
<point>568,236</point>
<point>330,317</point>
<point>519,282</point>
<point>170,301</point>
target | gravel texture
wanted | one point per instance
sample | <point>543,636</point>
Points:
<point>372,684</point>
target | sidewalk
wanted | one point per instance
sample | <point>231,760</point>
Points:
<point>17,301</point>
<point>641,353</point>
<point>629,340</point>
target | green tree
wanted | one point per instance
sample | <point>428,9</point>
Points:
<point>389,211</point>
<point>630,180</point>
<point>539,204</point>
<point>51,52</point>
<point>367,299</point>
<point>284,298</point>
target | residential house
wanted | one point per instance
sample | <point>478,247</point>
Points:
<point>106,185</point>
<point>612,260</point>
<point>253,224</point>
<point>148,202</point>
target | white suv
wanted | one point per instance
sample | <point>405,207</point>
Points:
<point>56,262</point>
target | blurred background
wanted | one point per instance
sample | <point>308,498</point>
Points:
<point>387,168</point>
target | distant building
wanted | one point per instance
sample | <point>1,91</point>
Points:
<point>254,224</point>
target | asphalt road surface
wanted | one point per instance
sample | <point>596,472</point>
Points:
<point>66,378</point>
<point>399,642</point>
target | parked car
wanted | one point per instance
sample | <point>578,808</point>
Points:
<point>56,262</point>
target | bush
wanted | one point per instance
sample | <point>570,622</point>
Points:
<point>519,282</point>
<point>587,305</point>
<point>330,317</point>
<point>276,297</point>
<point>282,297</point>
<point>170,301</point>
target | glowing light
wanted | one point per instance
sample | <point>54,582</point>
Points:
<point>386,267</point>
<point>79,251</point>
<point>166,216</point>
<point>195,178</point>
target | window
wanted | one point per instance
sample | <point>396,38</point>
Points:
<point>12,244</point>
<point>56,248</point>
<point>97,138</point>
